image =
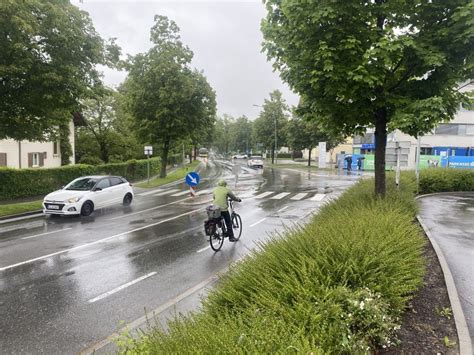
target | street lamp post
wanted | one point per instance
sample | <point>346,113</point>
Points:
<point>276,142</point>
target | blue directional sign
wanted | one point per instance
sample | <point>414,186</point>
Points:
<point>192,179</point>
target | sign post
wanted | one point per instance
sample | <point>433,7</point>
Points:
<point>192,180</point>
<point>148,150</point>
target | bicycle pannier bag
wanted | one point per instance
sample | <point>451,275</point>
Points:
<point>213,212</point>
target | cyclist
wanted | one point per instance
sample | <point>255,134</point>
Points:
<point>221,193</point>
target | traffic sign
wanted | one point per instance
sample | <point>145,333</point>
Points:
<point>148,150</point>
<point>192,179</point>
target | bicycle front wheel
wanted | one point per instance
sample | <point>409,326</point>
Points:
<point>237,225</point>
<point>216,240</point>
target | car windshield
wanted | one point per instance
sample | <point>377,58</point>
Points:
<point>85,184</point>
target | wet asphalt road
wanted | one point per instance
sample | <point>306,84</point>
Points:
<point>67,282</point>
<point>450,218</point>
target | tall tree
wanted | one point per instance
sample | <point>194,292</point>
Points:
<point>382,63</point>
<point>304,135</point>
<point>269,127</point>
<point>49,50</point>
<point>241,135</point>
<point>167,99</point>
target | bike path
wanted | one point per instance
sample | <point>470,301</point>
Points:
<point>450,221</point>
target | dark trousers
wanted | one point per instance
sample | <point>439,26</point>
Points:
<point>228,223</point>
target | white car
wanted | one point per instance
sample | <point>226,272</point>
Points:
<point>88,193</point>
<point>255,162</point>
<point>239,156</point>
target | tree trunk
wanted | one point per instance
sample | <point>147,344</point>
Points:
<point>380,144</point>
<point>190,156</point>
<point>195,153</point>
<point>164,157</point>
<point>309,157</point>
<point>104,152</point>
<point>273,155</point>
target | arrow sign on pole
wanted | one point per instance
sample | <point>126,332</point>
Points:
<point>192,179</point>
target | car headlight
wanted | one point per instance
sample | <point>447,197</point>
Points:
<point>74,199</point>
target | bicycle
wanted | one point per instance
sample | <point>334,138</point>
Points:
<point>216,229</point>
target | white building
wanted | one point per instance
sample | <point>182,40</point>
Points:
<point>452,139</point>
<point>25,154</point>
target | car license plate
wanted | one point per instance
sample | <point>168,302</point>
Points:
<point>53,207</point>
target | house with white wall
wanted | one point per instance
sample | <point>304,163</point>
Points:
<point>26,154</point>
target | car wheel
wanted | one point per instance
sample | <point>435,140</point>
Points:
<point>87,208</point>
<point>127,199</point>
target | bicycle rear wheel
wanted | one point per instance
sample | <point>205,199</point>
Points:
<point>237,225</point>
<point>216,239</point>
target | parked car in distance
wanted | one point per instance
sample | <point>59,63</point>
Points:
<point>255,162</point>
<point>240,156</point>
<point>88,193</point>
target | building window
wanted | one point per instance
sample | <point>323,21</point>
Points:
<point>55,148</point>
<point>455,129</point>
<point>3,159</point>
<point>426,151</point>
<point>36,160</point>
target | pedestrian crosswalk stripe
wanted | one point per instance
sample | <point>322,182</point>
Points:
<point>318,197</point>
<point>280,196</point>
<point>203,192</point>
<point>265,194</point>
<point>150,192</point>
<point>166,192</point>
<point>299,196</point>
<point>181,193</point>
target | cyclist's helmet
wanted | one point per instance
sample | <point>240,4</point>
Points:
<point>222,183</point>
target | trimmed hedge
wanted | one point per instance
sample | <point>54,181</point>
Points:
<point>15,183</point>
<point>446,180</point>
<point>337,285</point>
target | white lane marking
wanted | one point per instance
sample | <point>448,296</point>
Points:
<point>264,194</point>
<point>39,235</point>
<point>117,289</point>
<point>299,196</point>
<point>253,225</point>
<point>182,193</point>
<point>318,197</point>
<point>203,192</point>
<point>166,192</point>
<point>98,241</point>
<point>146,318</point>
<point>203,249</point>
<point>150,192</point>
<point>282,209</point>
<point>280,196</point>
<point>150,209</point>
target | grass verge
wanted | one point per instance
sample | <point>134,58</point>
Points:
<point>16,208</point>
<point>337,285</point>
<point>177,174</point>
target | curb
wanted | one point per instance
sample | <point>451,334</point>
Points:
<point>465,344</point>
<point>16,217</point>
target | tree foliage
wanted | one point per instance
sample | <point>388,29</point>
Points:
<point>168,100</point>
<point>49,50</point>
<point>383,64</point>
<point>274,117</point>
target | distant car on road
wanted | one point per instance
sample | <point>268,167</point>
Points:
<point>255,162</point>
<point>240,156</point>
<point>88,193</point>
<point>203,152</point>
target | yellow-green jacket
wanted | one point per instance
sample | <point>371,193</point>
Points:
<point>220,197</point>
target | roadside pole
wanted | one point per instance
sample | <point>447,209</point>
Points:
<point>417,169</point>
<point>397,175</point>
<point>148,150</point>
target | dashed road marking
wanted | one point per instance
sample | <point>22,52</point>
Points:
<point>167,192</point>
<point>117,289</point>
<point>299,196</point>
<point>39,235</point>
<point>258,222</point>
<point>318,197</point>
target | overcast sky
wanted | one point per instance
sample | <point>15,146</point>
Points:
<point>224,36</point>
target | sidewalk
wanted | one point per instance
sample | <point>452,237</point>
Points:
<point>448,219</point>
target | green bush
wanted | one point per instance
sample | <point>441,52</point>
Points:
<point>15,183</point>
<point>336,285</point>
<point>445,180</point>
<point>285,156</point>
